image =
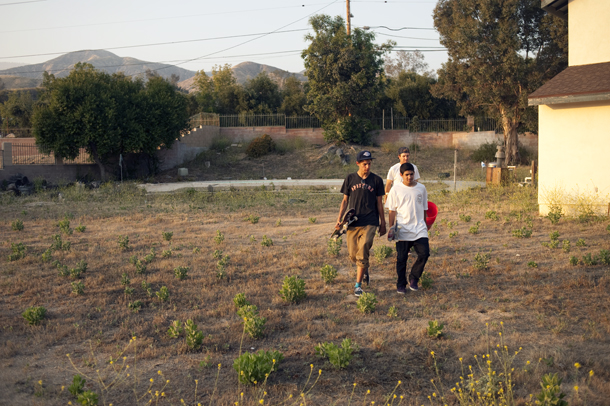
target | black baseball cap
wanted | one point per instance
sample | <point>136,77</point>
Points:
<point>363,156</point>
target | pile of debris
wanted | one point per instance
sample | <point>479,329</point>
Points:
<point>334,152</point>
<point>19,185</point>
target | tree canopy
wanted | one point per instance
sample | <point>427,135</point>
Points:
<point>499,52</point>
<point>107,115</point>
<point>345,75</point>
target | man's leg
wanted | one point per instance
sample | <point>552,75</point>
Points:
<point>402,255</point>
<point>365,242</point>
<point>422,249</point>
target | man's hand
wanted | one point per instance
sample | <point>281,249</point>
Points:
<point>338,225</point>
<point>382,230</point>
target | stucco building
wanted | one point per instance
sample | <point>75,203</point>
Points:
<point>574,113</point>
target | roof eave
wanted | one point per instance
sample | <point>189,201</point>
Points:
<point>557,8</point>
<point>580,98</point>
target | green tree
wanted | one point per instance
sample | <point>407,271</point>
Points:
<point>345,75</point>
<point>410,93</point>
<point>293,97</point>
<point>407,62</point>
<point>262,94</point>
<point>17,110</point>
<point>220,93</point>
<point>499,52</point>
<point>205,92</point>
<point>107,115</point>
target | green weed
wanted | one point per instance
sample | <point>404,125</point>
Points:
<point>312,220</point>
<point>481,261</point>
<point>254,325</point>
<point>522,232</point>
<point>267,242</point>
<point>240,300</point>
<point>175,329</point>
<point>17,225</point>
<point>181,272</point>
<point>253,368</point>
<point>334,246</point>
<point>465,218</point>
<point>123,242</point>
<point>328,273</point>
<point>435,329</point>
<point>382,252</point>
<point>474,229</point>
<point>194,337</point>
<point>426,280</point>
<point>252,218</point>
<point>80,228</point>
<point>18,252</point>
<point>492,215</point>
<point>339,357</point>
<point>34,315</point>
<point>293,289</point>
<point>581,243</point>
<point>367,303</point>
<point>167,235</point>
<point>219,238</point>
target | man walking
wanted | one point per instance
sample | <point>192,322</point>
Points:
<point>362,191</point>
<point>394,172</point>
<point>408,204</point>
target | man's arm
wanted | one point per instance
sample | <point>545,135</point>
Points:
<point>388,186</point>
<point>392,218</point>
<point>344,204</point>
<point>381,212</point>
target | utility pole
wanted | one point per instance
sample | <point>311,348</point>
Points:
<point>349,24</point>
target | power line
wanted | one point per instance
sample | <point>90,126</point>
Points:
<point>400,36</point>
<point>158,43</point>
<point>232,12</point>
<point>20,2</point>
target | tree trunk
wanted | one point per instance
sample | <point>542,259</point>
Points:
<point>511,141</point>
<point>99,163</point>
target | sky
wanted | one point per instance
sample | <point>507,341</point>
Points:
<point>197,35</point>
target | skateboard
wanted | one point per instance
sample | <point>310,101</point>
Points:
<point>393,231</point>
<point>348,219</point>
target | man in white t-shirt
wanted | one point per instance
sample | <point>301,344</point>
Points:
<point>408,204</point>
<point>394,172</point>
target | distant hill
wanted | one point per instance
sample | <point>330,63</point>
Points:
<point>18,82</point>
<point>100,59</point>
<point>249,70</point>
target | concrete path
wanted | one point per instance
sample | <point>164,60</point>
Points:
<point>331,184</point>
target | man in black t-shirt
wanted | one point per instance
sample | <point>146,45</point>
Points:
<point>362,191</point>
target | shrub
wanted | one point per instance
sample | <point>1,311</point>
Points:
<point>217,254</point>
<point>256,367</point>
<point>252,218</point>
<point>123,242</point>
<point>78,288</point>
<point>167,235</point>
<point>260,146</point>
<point>485,153</point>
<point>312,220</point>
<point>367,302</point>
<point>59,245</point>
<point>47,255</point>
<point>334,246</point>
<point>18,251</point>
<point>163,294</point>
<point>135,306</point>
<point>293,289</point>
<point>219,238</point>
<point>175,329</point>
<point>532,264</point>
<point>80,228</point>
<point>474,229</point>
<point>551,391</point>
<point>581,243</point>
<point>17,225</point>
<point>254,325</point>
<point>78,384</point>
<point>166,253</point>
<point>34,315</point>
<point>88,398</point>
<point>566,246</point>
<point>465,218</point>
<point>435,329</point>
<point>64,226</point>
<point>555,213</point>
<point>481,261</point>
<point>240,300</point>
<point>382,252</point>
<point>492,215</point>
<point>426,280</point>
<point>392,312</point>
<point>339,357</point>
<point>267,242</point>
<point>573,260</point>
<point>181,272</point>
<point>522,232</point>
<point>329,273</point>
<point>194,337</point>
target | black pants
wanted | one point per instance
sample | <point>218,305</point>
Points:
<point>422,249</point>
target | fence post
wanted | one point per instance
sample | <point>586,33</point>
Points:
<point>7,154</point>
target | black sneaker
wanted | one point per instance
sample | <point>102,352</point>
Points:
<point>401,290</point>
<point>413,285</point>
<point>365,278</point>
<point>358,291</point>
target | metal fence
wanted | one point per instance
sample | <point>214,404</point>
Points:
<point>28,154</point>
<point>395,122</point>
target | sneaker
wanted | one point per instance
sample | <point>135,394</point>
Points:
<point>402,290</point>
<point>413,285</point>
<point>358,291</point>
<point>365,278</point>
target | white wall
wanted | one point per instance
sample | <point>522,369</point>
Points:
<point>574,154</point>
<point>588,31</point>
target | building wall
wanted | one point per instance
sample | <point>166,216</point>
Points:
<point>588,31</point>
<point>574,140</point>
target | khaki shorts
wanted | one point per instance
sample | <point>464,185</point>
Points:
<point>359,243</point>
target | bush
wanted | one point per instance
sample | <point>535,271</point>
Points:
<point>334,246</point>
<point>240,300</point>
<point>366,302</point>
<point>293,289</point>
<point>435,329</point>
<point>17,225</point>
<point>254,325</point>
<point>329,273</point>
<point>34,315</point>
<point>256,367</point>
<point>339,357</point>
<point>485,153</point>
<point>194,337</point>
<point>260,146</point>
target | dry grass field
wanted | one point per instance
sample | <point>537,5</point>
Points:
<point>484,281</point>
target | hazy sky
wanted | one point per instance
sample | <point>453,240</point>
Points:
<point>204,33</point>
